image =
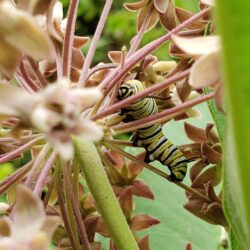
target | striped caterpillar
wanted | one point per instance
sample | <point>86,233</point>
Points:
<point>157,146</point>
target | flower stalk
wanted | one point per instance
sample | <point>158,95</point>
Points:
<point>158,172</point>
<point>100,188</point>
<point>162,116</point>
<point>11,155</point>
<point>15,177</point>
<point>74,202</point>
<point>93,45</point>
<point>68,39</point>
<point>44,173</point>
<point>61,201</point>
<point>157,87</point>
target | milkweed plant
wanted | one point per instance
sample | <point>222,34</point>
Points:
<point>62,131</point>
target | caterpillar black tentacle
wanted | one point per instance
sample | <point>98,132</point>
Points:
<point>157,146</point>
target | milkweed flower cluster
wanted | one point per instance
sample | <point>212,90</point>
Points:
<point>50,93</point>
<point>30,228</point>
<point>55,111</point>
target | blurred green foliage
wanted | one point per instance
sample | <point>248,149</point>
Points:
<point>6,169</point>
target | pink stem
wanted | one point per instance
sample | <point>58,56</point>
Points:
<point>70,191</point>
<point>141,32</point>
<point>58,62</point>
<point>9,146</point>
<point>93,45</point>
<point>11,155</point>
<point>101,67</point>
<point>65,218</point>
<point>39,159</point>
<point>69,38</point>
<point>40,77</point>
<point>160,86</point>
<point>22,139</point>
<point>15,177</point>
<point>158,171</point>
<point>23,84</point>
<point>162,116</point>
<point>42,178</point>
<point>27,79</point>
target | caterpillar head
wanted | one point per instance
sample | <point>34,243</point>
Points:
<point>129,88</point>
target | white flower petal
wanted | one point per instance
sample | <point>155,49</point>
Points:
<point>85,97</point>
<point>50,225</point>
<point>90,131</point>
<point>29,215</point>
<point>208,2</point>
<point>194,113</point>
<point>3,207</point>
<point>198,45</point>
<point>21,30</point>
<point>163,66</point>
<point>64,149</point>
<point>64,24</point>
<point>44,119</point>
<point>57,13</point>
<point>205,71</point>
<point>15,101</point>
<point>7,243</point>
<point>57,92</point>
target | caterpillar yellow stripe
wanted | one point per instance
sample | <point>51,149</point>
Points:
<point>157,146</point>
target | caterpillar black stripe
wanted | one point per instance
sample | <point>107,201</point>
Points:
<point>157,146</point>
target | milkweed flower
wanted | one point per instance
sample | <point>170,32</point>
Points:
<point>55,111</point>
<point>30,39</point>
<point>206,70</point>
<point>205,50</point>
<point>30,227</point>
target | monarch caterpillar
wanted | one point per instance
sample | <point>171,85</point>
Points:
<point>157,146</point>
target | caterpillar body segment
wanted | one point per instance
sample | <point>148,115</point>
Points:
<point>156,144</point>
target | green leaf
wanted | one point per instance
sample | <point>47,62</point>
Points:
<point>232,19</point>
<point>218,117</point>
<point>178,226</point>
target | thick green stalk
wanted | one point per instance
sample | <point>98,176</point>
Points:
<point>233,21</point>
<point>99,186</point>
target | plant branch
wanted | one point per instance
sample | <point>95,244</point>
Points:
<point>32,84</point>
<point>75,206</point>
<point>119,142</point>
<point>101,67</point>
<point>157,87</point>
<point>99,185</point>
<point>61,202</point>
<point>11,155</point>
<point>69,38</point>
<point>162,116</point>
<point>44,173</point>
<point>93,45</point>
<point>23,83</point>
<point>38,161</point>
<point>157,171</point>
<point>141,32</point>
<point>40,77</point>
<point>15,177</point>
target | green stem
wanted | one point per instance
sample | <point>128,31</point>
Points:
<point>98,183</point>
<point>232,17</point>
<point>218,117</point>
